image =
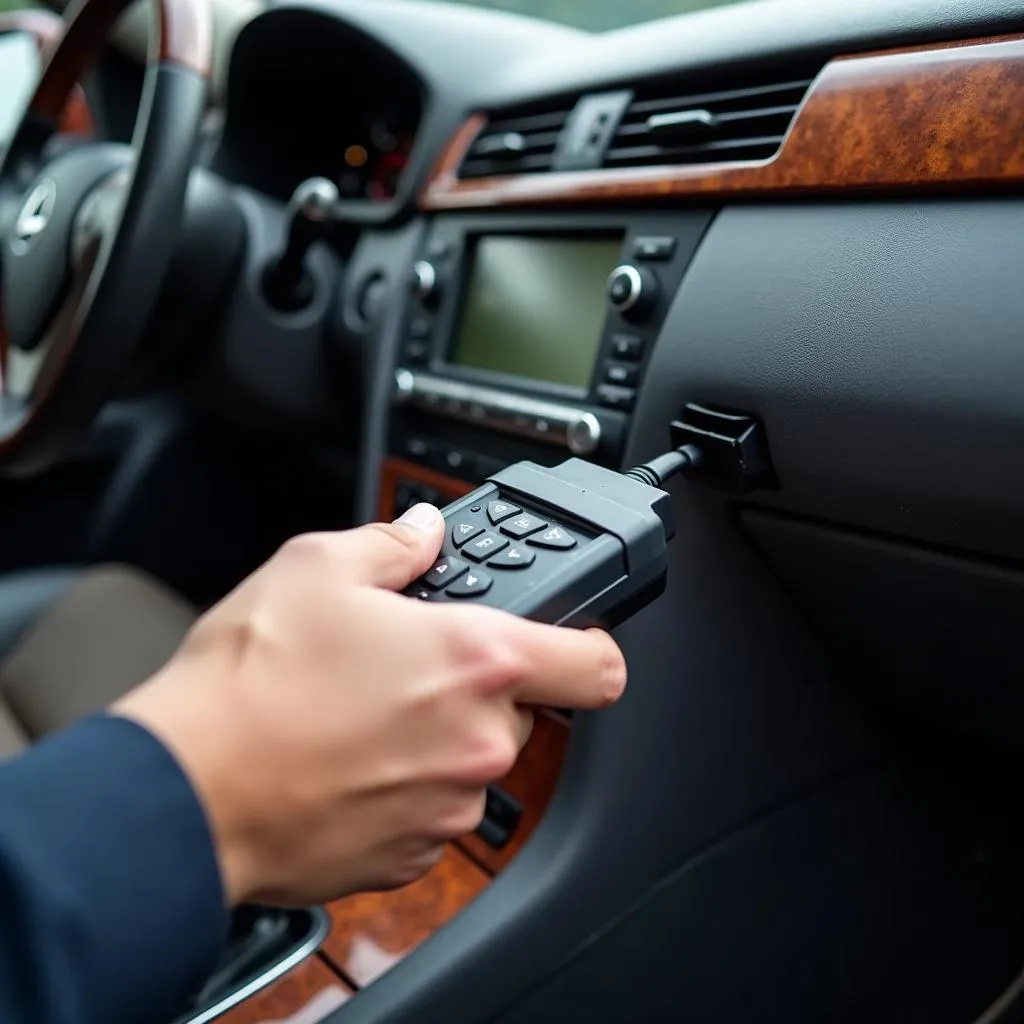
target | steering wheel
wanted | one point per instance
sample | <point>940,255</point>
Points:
<point>87,231</point>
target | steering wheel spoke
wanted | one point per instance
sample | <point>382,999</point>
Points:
<point>87,230</point>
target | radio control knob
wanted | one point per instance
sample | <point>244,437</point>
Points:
<point>405,385</point>
<point>425,284</point>
<point>583,434</point>
<point>632,291</point>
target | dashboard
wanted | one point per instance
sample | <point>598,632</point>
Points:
<point>795,221</point>
<point>296,111</point>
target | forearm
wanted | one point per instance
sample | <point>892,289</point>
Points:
<point>111,906</point>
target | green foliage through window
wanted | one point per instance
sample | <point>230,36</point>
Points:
<point>597,15</point>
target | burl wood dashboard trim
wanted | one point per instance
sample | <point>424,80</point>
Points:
<point>937,118</point>
<point>532,782</point>
<point>309,994</point>
<point>397,471</point>
<point>371,932</point>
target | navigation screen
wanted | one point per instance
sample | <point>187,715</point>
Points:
<point>535,307</point>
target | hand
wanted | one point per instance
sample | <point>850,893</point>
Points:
<point>337,733</point>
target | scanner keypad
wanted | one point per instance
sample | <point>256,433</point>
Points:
<point>495,546</point>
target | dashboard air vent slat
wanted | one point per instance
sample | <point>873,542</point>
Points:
<point>664,125</point>
<point>516,142</point>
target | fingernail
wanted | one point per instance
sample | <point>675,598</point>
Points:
<point>419,517</point>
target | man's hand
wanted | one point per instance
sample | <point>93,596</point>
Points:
<point>338,733</point>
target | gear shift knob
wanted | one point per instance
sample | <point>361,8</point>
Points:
<point>310,215</point>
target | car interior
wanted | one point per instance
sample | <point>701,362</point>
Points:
<point>276,267</point>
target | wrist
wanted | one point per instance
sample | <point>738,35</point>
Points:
<point>206,762</point>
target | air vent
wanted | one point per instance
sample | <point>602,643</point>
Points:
<point>666,125</point>
<point>516,142</point>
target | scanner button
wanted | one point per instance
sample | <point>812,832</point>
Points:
<point>522,526</point>
<point>513,558</point>
<point>499,510</point>
<point>553,537</point>
<point>473,584</point>
<point>464,531</point>
<point>484,546</point>
<point>445,570</point>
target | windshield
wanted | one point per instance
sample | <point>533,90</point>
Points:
<point>597,15</point>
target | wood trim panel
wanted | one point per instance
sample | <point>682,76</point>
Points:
<point>371,932</point>
<point>307,995</point>
<point>532,782</point>
<point>46,28</point>
<point>395,471</point>
<point>938,118</point>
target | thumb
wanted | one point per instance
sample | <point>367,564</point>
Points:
<point>392,555</point>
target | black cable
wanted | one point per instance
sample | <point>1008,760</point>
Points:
<point>654,473</point>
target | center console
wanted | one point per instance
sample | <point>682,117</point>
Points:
<point>527,338</point>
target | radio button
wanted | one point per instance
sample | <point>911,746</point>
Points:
<point>583,434</point>
<point>624,376</point>
<point>425,283</point>
<point>416,353</point>
<point>616,398</point>
<point>416,448</point>
<point>621,286</point>
<point>627,346</point>
<point>632,291</point>
<point>454,460</point>
<point>405,385</point>
<point>654,247</point>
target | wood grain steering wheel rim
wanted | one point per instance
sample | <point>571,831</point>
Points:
<point>87,232</point>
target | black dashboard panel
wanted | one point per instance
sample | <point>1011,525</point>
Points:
<point>308,97</point>
<point>308,79</point>
<point>879,343</point>
<point>750,34</point>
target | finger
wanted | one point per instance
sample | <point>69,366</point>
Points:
<point>524,725</point>
<point>565,668</point>
<point>392,555</point>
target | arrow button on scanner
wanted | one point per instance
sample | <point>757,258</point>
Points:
<point>444,571</point>
<point>473,584</point>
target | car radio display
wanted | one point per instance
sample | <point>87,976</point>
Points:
<point>535,307</point>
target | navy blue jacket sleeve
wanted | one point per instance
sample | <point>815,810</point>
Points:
<point>111,905</point>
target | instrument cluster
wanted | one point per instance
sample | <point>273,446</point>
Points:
<point>306,98</point>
